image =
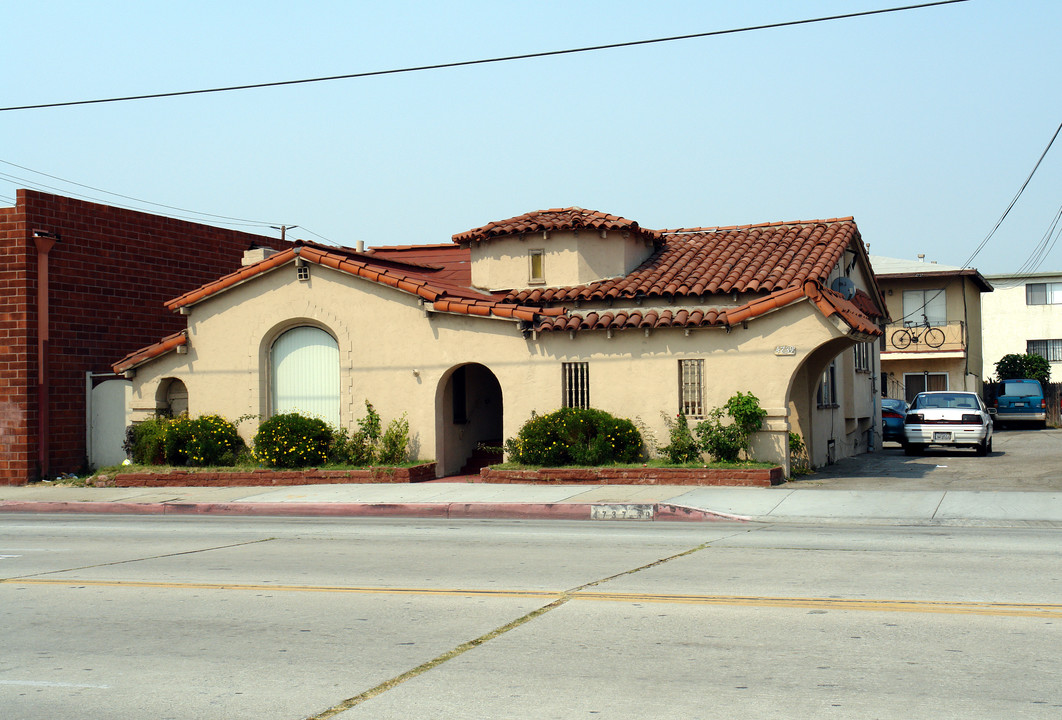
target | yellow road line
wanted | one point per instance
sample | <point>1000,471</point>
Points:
<point>1045,610</point>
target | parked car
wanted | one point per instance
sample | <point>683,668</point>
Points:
<point>893,411</point>
<point>1021,400</point>
<point>953,419</point>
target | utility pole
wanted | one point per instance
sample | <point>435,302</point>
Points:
<point>283,230</point>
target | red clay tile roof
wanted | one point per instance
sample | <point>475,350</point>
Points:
<point>784,262</point>
<point>827,301</point>
<point>572,218</point>
<point>698,261</point>
<point>163,346</point>
<point>446,282</point>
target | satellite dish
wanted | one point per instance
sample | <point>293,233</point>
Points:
<point>844,286</point>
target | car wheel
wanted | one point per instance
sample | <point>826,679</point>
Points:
<point>982,448</point>
<point>913,449</point>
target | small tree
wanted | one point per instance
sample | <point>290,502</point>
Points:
<point>683,446</point>
<point>727,441</point>
<point>1029,365</point>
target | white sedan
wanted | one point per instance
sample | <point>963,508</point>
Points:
<point>955,419</point>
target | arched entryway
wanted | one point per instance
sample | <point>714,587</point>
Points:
<point>171,398</point>
<point>468,417</point>
<point>812,402</point>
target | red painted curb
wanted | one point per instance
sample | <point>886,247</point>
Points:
<point>665,512</point>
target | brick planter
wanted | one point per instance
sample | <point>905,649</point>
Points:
<point>253,478</point>
<point>750,477</point>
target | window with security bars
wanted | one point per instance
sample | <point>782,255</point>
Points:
<point>691,388</point>
<point>576,384</point>
<point>1050,350</point>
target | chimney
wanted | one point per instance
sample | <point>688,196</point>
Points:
<point>256,254</point>
<point>361,246</point>
<point>921,257</point>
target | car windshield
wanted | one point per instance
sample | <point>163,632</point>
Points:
<point>945,400</point>
<point>1021,389</point>
<point>894,405</point>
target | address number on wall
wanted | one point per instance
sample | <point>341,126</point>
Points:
<point>785,350</point>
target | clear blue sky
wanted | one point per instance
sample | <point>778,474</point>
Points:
<point>922,124</point>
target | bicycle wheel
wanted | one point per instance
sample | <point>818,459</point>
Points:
<point>901,338</point>
<point>934,337</point>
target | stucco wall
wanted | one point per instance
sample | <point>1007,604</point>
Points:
<point>570,258</point>
<point>1008,322</point>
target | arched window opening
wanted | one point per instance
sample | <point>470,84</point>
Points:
<point>305,374</point>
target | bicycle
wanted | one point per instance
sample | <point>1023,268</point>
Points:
<point>934,336</point>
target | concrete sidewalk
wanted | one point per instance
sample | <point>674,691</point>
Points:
<point>568,502</point>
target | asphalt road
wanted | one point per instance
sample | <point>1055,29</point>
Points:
<point>1022,460</point>
<point>168,617</point>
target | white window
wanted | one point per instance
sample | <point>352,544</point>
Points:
<point>304,378</point>
<point>931,303</point>
<point>827,395</point>
<point>1043,293</point>
<point>1050,350</point>
<point>691,388</point>
<point>536,260</point>
<point>576,384</point>
<point>862,356</point>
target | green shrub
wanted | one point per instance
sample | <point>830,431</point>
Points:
<point>575,436</point>
<point>144,441</point>
<point>212,440</point>
<point>292,440</point>
<point>726,441</point>
<point>683,446</point>
<point>799,462</point>
<point>1030,365</point>
<point>368,445</point>
<point>175,440</point>
<point>394,443</point>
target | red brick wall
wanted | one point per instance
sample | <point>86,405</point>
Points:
<point>109,274</point>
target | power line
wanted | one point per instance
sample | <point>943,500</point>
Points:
<point>1015,200</point>
<point>192,215</point>
<point>125,197</point>
<point>467,63</point>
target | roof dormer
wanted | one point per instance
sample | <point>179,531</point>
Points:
<point>555,248</point>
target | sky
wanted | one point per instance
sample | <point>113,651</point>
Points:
<point>922,124</point>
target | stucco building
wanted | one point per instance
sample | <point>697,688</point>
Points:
<point>934,341</point>
<point>1023,315</point>
<point>552,308</point>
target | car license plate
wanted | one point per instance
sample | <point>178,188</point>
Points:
<point>941,436</point>
<point>1019,404</point>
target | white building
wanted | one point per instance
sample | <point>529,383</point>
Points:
<point>1024,314</point>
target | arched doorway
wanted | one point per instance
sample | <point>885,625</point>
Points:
<point>468,418</point>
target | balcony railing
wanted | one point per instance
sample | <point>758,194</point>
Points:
<point>900,338</point>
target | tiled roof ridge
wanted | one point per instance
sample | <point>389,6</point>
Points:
<point>760,258</point>
<point>826,301</point>
<point>777,223</point>
<point>569,218</point>
<point>370,253</point>
<point>141,356</point>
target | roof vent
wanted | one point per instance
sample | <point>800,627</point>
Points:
<point>844,286</point>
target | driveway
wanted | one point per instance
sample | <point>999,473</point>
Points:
<point>1022,460</point>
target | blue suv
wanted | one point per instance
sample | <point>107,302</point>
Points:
<point>1021,400</point>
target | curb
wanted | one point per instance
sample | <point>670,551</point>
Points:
<point>661,512</point>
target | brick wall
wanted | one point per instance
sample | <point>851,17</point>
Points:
<point>109,274</point>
